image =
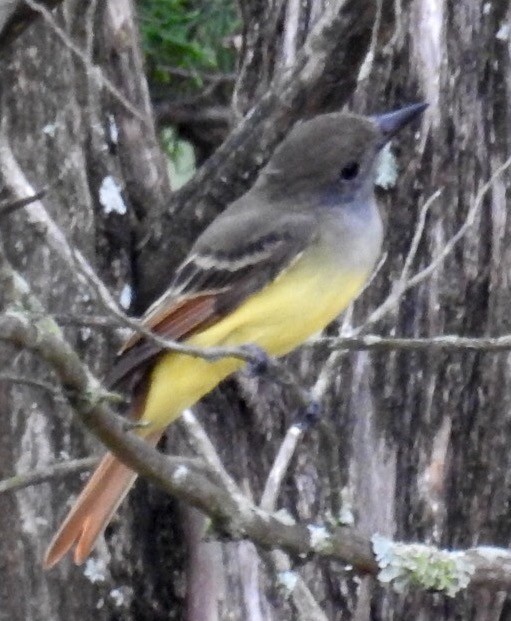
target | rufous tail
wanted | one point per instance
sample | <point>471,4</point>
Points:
<point>93,509</point>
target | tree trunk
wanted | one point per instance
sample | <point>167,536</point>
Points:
<point>101,167</point>
<point>412,444</point>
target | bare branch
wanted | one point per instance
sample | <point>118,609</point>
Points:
<point>87,321</point>
<point>291,26</point>
<point>469,221</point>
<point>84,272</point>
<point>8,207</point>
<point>205,449</point>
<point>304,601</point>
<point>293,585</point>
<point>32,383</point>
<point>417,236</point>
<point>235,514</point>
<point>405,283</point>
<point>90,17</point>
<point>448,343</point>
<point>280,467</point>
<point>50,473</point>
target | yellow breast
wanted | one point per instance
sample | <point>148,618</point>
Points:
<point>295,306</point>
<point>298,304</point>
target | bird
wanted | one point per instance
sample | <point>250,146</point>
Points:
<point>274,268</point>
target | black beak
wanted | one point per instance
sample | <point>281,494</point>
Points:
<point>391,122</point>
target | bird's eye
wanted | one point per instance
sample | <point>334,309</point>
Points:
<point>350,171</point>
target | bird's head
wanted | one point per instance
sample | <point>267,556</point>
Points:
<point>333,155</point>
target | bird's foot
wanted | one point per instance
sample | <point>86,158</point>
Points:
<point>258,360</point>
<point>309,416</point>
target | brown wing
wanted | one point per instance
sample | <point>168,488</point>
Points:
<point>172,322</point>
<point>211,283</point>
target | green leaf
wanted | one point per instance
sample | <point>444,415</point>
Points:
<point>187,34</point>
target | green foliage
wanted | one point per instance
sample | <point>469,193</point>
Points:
<point>186,44</point>
<point>187,35</point>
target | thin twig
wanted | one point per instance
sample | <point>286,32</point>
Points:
<point>303,599</point>
<point>56,471</point>
<point>205,449</point>
<point>87,321</point>
<point>290,34</point>
<point>417,236</point>
<point>402,285</point>
<point>237,515</point>
<point>8,207</point>
<point>446,342</point>
<point>396,295</point>
<point>280,467</point>
<point>209,353</point>
<point>293,585</point>
<point>90,18</point>
<point>469,221</point>
<point>32,383</point>
<point>326,371</point>
<point>84,272</point>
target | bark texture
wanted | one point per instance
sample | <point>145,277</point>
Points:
<point>413,444</point>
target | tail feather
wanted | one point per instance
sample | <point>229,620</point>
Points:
<point>93,509</point>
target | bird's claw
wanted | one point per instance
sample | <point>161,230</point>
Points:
<point>309,416</point>
<point>259,361</point>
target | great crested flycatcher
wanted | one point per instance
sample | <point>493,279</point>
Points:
<point>274,268</point>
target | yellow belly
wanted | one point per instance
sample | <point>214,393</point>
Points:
<point>297,305</point>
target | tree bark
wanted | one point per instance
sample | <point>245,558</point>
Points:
<point>412,443</point>
<point>102,167</point>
